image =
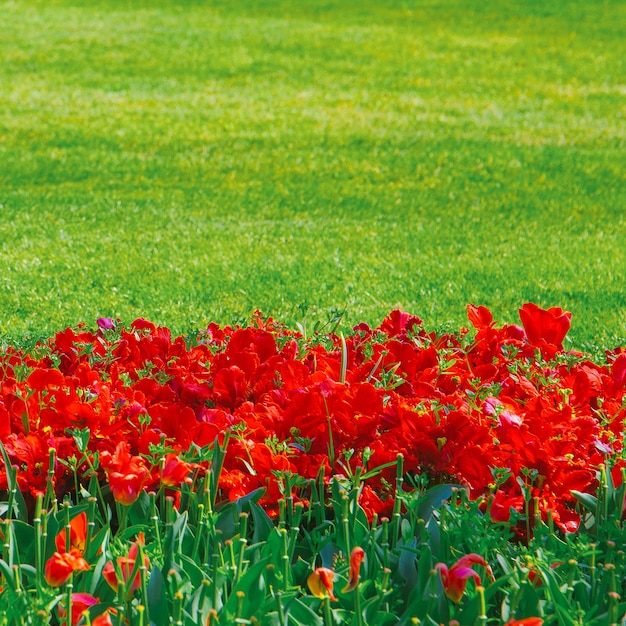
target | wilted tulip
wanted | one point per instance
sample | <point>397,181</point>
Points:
<point>356,558</point>
<point>321,583</point>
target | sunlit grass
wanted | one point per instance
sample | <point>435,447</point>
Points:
<point>189,162</point>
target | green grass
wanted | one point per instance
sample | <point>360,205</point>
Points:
<point>192,161</point>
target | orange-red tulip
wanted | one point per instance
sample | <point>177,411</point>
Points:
<point>175,471</point>
<point>321,583</point>
<point>126,565</point>
<point>356,558</point>
<point>527,621</point>
<point>104,619</point>
<point>126,473</point>
<point>60,566</point>
<point>78,536</point>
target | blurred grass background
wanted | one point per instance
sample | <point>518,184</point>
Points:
<point>192,161</point>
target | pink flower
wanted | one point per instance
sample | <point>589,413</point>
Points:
<point>105,323</point>
<point>80,603</point>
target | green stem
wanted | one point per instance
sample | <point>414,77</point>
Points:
<point>328,617</point>
<point>357,605</point>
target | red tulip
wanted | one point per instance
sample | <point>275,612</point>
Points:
<point>527,621</point>
<point>80,603</point>
<point>545,328</point>
<point>175,471</point>
<point>104,619</point>
<point>356,558</point>
<point>321,583</point>
<point>126,566</point>
<point>455,579</point>
<point>60,567</point>
<point>126,474</point>
<point>78,536</point>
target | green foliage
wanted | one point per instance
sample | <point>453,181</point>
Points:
<point>232,563</point>
<point>192,161</point>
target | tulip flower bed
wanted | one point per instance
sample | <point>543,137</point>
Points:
<point>259,475</point>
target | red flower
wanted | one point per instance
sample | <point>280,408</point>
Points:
<point>545,328</point>
<point>356,558</point>
<point>126,474</point>
<point>80,603</point>
<point>175,471</point>
<point>479,316</point>
<point>527,621</point>
<point>126,566</point>
<point>78,536</point>
<point>454,579</point>
<point>398,323</point>
<point>104,619</point>
<point>320,583</point>
<point>60,567</point>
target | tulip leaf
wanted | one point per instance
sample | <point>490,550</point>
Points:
<point>424,566</point>
<point>7,572</point>
<point>252,584</point>
<point>157,600</point>
<point>406,563</point>
<point>299,613</point>
<point>25,539</point>
<point>561,604</point>
<point>471,609</point>
<point>433,499</point>
<point>587,500</point>
<point>19,505</point>
<point>139,512</point>
<point>262,523</point>
<point>192,570</point>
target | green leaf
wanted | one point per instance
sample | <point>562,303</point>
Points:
<point>587,500</point>
<point>192,569</point>
<point>299,614</point>
<point>433,499</point>
<point>424,566</point>
<point>25,541</point>
<point>157,598</point>
<point>262,523</point>
<point>139,512</point>
<point>8,573</point>
<point>407,563</point>
<point>561,604</point>
<point>252,585</point>
<point>19,506</point>
<point>471,609</point>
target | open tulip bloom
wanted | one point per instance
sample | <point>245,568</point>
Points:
<point>60,566</point>
<point>455,578</point>
<point>140,431</point>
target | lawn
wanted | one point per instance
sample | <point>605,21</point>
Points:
<point>192,161</point>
